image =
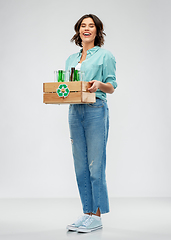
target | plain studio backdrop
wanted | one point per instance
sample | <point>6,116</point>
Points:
<point>35,151</point>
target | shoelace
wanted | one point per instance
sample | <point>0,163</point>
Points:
<point>80,219</point>
<point>88,221</point>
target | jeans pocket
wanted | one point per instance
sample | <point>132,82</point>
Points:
<point>98,104</point>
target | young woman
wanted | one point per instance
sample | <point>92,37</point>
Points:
<point>89,123</point>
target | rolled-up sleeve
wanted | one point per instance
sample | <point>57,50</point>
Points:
<point>109,70</point>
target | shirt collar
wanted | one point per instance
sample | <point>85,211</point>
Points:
<point>90,51</point>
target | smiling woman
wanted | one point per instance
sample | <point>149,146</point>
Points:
<point>93,22</point>
<point>89,123</point>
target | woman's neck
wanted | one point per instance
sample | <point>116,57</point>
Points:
<point>87,47</point>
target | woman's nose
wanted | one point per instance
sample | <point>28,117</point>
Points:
<point>87,27</point>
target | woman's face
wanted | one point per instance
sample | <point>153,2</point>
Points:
<point>87,31</point>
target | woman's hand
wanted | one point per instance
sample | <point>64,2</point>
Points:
<point>104,87</point>
<point>95,85</point>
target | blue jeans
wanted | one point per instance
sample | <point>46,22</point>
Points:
<point>89,124</point>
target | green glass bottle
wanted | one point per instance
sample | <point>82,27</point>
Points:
<point>60,76</point>
<point>77,75</point>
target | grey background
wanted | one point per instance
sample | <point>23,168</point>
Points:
<point>35,150</point>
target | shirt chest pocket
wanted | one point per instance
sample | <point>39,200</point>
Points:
<point>93,71</point>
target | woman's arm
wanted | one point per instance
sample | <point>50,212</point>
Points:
<point>104,87</point>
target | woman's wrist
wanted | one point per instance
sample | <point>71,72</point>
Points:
<point>106,87</point>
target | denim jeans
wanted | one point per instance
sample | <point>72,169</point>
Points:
<point>89,124</point>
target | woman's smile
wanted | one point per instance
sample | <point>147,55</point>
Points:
<point>86,34</point>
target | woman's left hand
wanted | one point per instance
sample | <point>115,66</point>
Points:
<point>104,87</point>
<point>95,85</point>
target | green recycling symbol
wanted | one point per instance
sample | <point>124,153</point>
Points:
<point>63,90</point>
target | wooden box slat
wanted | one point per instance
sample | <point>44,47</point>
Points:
<point>73,98</point>
<point>73,86</point>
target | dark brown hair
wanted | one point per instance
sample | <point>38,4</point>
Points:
<point>99,40</point>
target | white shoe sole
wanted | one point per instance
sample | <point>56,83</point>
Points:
<point>85,230</point>
<point>70,228</point>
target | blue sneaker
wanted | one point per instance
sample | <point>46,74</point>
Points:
<point>90,224</point>
<point>78,223</point>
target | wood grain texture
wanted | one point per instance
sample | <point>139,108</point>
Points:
<point>73,98</point>
<point>73,86</point>
<point>87,97</point>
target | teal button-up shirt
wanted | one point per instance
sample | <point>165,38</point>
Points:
<point>99,65</point>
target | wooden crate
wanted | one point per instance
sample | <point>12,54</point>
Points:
<point>78,93</point>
